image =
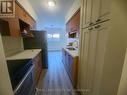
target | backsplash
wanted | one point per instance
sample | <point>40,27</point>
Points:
<point>12,45</point>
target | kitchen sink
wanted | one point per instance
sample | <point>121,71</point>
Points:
<point>71,48</point>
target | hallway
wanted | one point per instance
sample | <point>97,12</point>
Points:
<point>55,80</point>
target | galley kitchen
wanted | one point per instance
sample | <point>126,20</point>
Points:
<point>63,47</point>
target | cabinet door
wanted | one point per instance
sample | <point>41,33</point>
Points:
<point>66,62</point>
<point>87,10</point>
<point>91,60</point>
<point>67,27</point>
<point>63,56</point>
<point>14,27</point>
<point>95,11</point>
<point>70,64</point>
<point>102,36</point>
<point>83,59</point>
<point>104,9</point>
<point>100,10</point>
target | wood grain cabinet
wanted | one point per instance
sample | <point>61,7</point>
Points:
<point>72,26</point>
<point>71,66</point>
<point>13,27</point>
<point>37,61</point>
<point>14,23</point>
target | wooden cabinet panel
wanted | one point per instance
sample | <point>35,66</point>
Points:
<point>71,66</point>
<point>24,16</point>
<point>4,27</point>
<point>38,67</point>
<point>14,24</point>
<point>73,24</point>
<point>20,12</point>
<point>14,28</point>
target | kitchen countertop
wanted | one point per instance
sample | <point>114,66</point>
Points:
<point>26,54</point>
<point>73,53</point>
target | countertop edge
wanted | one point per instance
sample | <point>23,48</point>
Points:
<point>18,57</point>
<point>69,51</point>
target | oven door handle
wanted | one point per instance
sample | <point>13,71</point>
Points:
<point>24,78</point>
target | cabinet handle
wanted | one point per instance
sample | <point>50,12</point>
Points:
<point>90,28</point>
<point>88,90</point>
<point>91,23</point>
<point>98,20</point>
<point>98,26</point>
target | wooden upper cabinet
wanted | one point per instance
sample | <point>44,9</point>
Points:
<point>24,16</point>
<point>14,28</point>
<point>14,23</point>
<point>73,24</point>
<point>4,27</point>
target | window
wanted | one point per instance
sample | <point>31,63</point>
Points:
<point>53,36</point>
<point>56,36</point>
<point>49,36</point>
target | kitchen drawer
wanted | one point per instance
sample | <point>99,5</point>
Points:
<point>38,67</point>
<point>37,58</point>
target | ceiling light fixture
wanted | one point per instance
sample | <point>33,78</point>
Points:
<point>51,3</point>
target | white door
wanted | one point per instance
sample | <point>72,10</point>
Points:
<point>95,11</point>
<point>104,9</point>
<point>87,12</point>
<point>91,60</point>
<point>100,10</point>
<point>87,59</point>
<point>84,46</point>
<point>101,41</point>
<point>123,82</point>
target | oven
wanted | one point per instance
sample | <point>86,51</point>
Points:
<point>22,77</point>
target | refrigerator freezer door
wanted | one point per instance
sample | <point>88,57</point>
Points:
<point>39,41</point>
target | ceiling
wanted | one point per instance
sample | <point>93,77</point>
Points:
<point>51,17</point>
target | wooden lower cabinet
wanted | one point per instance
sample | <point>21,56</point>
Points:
<point>71,66</point>
<point>37,61</point>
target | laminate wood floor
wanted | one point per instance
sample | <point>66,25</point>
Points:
<point>55,80</point>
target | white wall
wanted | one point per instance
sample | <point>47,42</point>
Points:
<point>56,44</point>
<point>5,84</point>
<point>28,8</point>
<point>76,5</point>
<point>12,45</point>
